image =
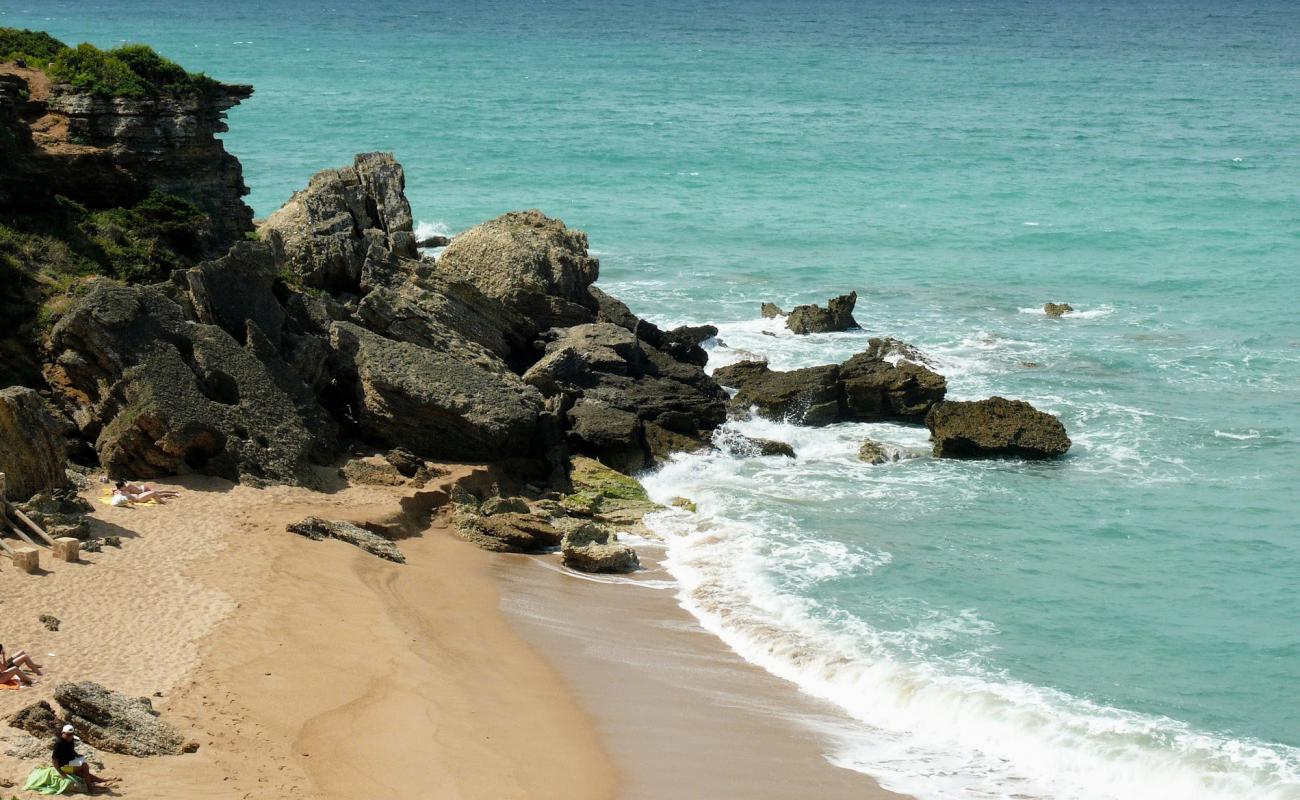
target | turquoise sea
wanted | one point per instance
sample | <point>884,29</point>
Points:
<point>1122,623</point>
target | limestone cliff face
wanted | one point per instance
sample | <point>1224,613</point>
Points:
<point>106,152</point>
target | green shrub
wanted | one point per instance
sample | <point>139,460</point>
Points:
<point>37,48</point>
<point>93,70</point>
<point>133,70</point>
<point>146,242</point>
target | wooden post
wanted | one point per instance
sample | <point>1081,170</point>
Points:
<point>67,549</point>
<point>27,559</point>
<point>2,491</point>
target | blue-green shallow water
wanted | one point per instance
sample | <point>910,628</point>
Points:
<point>1121,623</point>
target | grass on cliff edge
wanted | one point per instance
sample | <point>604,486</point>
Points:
<point>133,70</point>
<point>59,254</point>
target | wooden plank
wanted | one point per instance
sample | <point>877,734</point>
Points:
<point>37,528</point>
<point>7,550</point>
<point>16,529</point>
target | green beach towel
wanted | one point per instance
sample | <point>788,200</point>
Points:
<point>48,780</point>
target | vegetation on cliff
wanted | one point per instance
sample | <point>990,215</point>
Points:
<point>133,70</point>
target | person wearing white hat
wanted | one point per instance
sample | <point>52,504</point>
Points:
<point>69,762</point>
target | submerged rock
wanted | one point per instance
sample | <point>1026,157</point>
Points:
<point>318,529</point>
<point>995,427</point>
<point>117,723</point>
<point>837,316</point>
<point>1056,309</point>
<point>873,452</point>
<point>33,451</point>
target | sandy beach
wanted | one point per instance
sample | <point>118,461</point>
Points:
<point>304,669</point>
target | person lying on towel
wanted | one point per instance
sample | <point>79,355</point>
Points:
<point>11,666</point>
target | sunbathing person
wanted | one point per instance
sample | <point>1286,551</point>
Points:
<point>122,497</point>
<point>69,762</point>
<point>141,488</point>
<point>11,666</point>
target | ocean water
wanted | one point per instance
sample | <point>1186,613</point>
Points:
<point>1121,623</point>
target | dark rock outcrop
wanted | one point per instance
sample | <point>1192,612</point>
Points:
<point>837,316</point>
<point>890,349</point>
<point>432,402</point>
<point>33,450</point>
<point>533,264</point>
<point>161,395</point>
<point>349,228</point>
<point>683,343</point>
<point>38,719</point>
<point>1056,309</point>
<point>617,385</point>
<point>114,722</point>
<point>318,529</point>
<point>865,388</point>
<point>436,240</point>
<point>59,513</point>
<point>995,427</point>
<point>771,311</point>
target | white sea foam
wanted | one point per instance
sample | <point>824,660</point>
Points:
<point>930,728</point>
<point>424,229</point>
<point>1251,434</point>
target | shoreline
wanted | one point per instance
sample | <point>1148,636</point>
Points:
<point>680,713</point>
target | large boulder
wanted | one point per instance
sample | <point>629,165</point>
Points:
<point>439,313</point>
<point>865,388</point>
<point>876,389</point>
<point>348,229</point>
<point>617,385</point>
<point>995,427</point>
<point>432,402</point>
<point>532,263</point>
<point>837,316</point>
<point>1057,310</point>
<point>117,723</point>
<point>592,548</point>
<point>161,395</point>
<point>812,396</point>
<point>33,451</point>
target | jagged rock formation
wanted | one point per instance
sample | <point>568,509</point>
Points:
<point>1056,309</point>
<point>866,388</point>
<point>621,393</point>
<point>347,229</point>
<point>995,427</point>
<point>771,311</point>
<point>33,450</point>
<point>38,719</point>
<point>114,722</point>
<point>318,529</point>
<point>106,152</point>
<point>507,532</point>
<point>837,316</point>
<point>160,395</point>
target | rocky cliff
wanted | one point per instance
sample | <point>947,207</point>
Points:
<point>107,152</point>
